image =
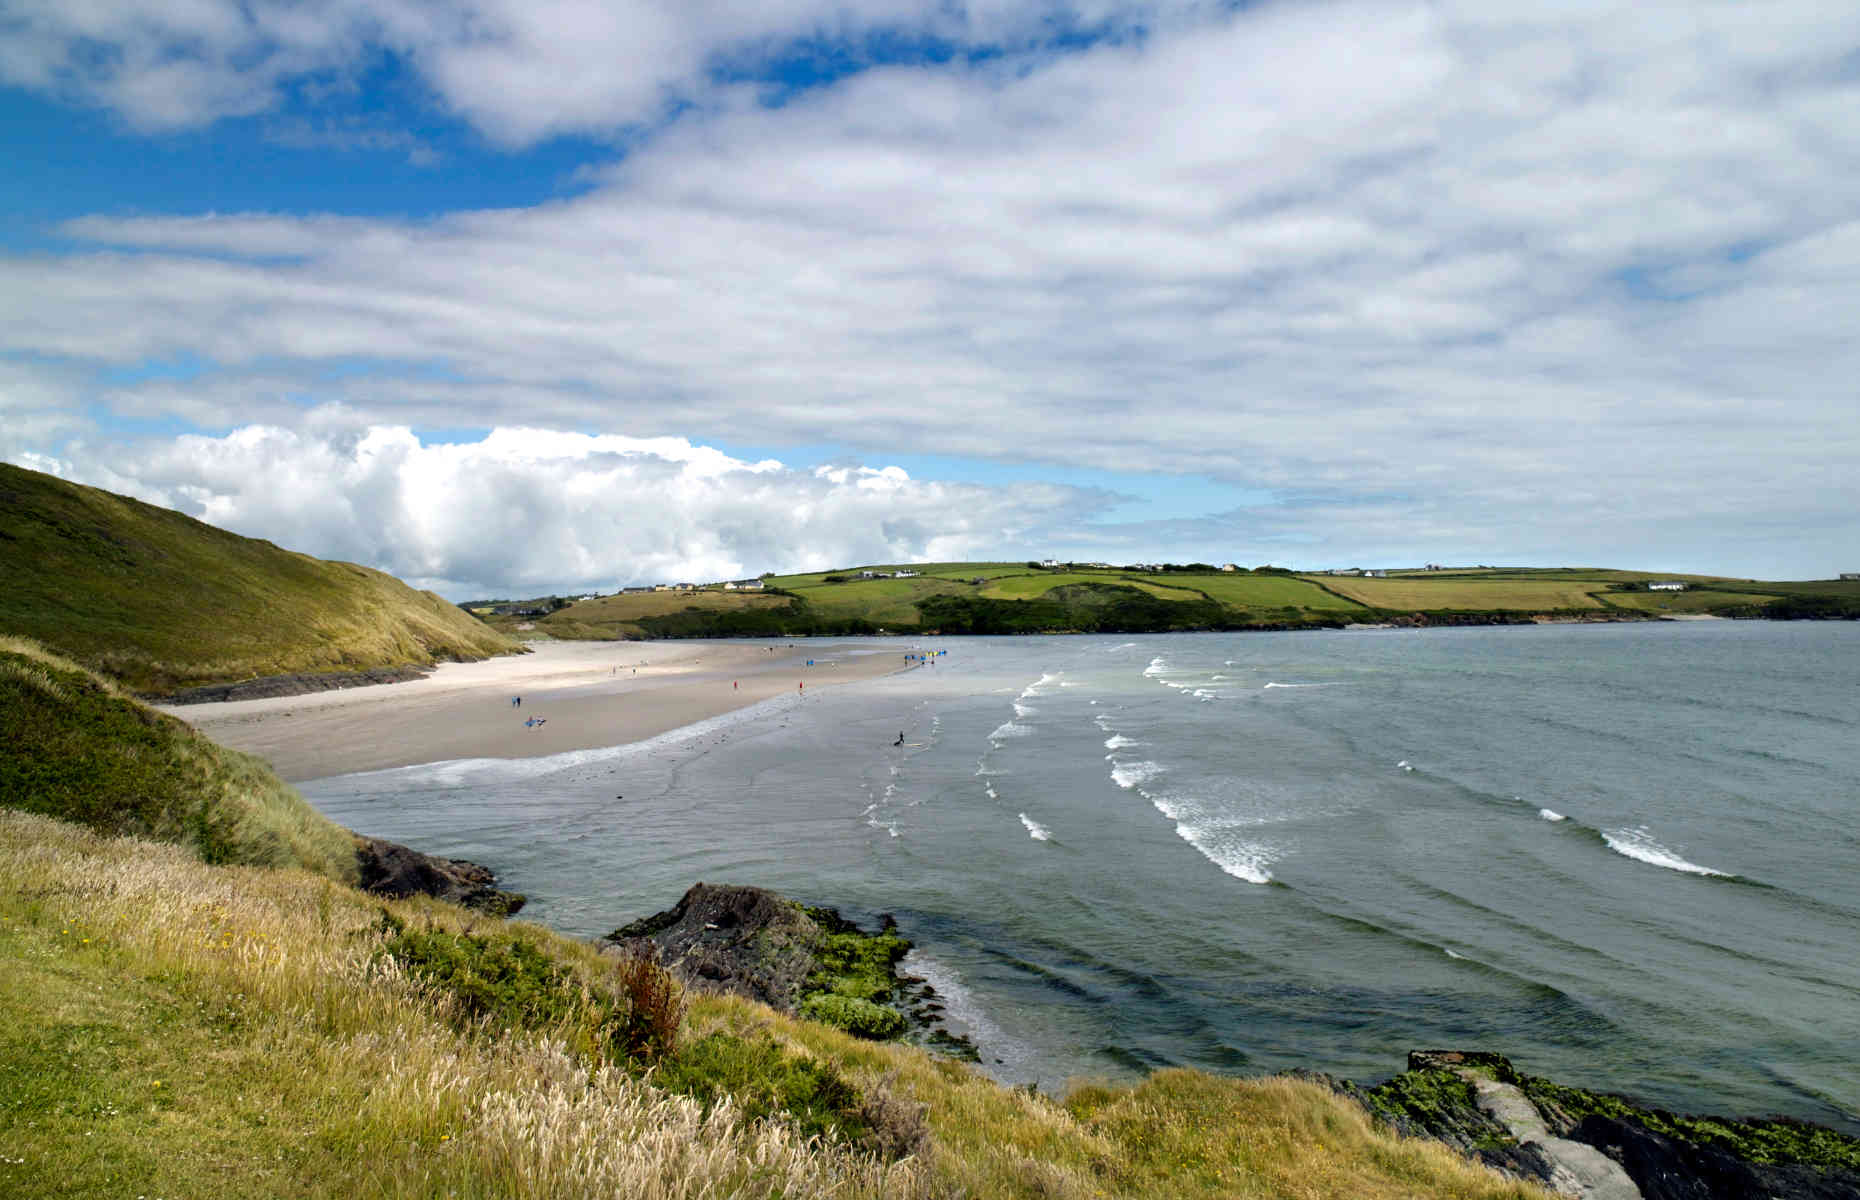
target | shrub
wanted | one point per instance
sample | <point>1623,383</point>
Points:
<point>763,1081</point>
<point>861,1018</point>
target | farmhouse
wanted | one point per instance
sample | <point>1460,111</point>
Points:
<point>1666,585</point>
<point>1850,574</point>
<point>1230,566</point>
<point>743,585</point>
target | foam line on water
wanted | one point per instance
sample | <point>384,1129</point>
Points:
<point>1008,729</point>
<point>1035,830</point>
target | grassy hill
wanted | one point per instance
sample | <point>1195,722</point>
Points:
<point>998,597</point>
<point>160,601</point>
<point>79,749</point>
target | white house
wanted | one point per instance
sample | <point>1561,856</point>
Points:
<point>906,575</point>
<point>743,585</point>
<point>1666,585</point>
<point>1230,566</point>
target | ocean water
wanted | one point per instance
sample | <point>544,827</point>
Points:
<point>1628,856</point>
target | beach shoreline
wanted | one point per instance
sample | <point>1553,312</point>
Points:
<point>575,696</point>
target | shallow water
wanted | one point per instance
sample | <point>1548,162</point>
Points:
<point>1624,855</point>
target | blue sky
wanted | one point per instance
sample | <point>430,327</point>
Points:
<point>719,288</point>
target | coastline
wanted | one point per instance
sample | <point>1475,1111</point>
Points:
<point>588,695</point>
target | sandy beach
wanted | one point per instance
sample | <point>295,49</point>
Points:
<point>585,694</point>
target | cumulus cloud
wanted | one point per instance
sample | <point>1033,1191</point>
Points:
<point>1455,270</point>
<point>527,511</point>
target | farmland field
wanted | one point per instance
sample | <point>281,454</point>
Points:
<point>1269,591</point>
<point>1697,601</point>
<point>1031,587</point>
<point>1413,594</point>
<point>882,601</point>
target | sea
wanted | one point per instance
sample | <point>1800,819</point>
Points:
<point>1627,856</point>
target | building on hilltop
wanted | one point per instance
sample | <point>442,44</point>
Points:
<point>1666,585</point>
<point>1850,574</point>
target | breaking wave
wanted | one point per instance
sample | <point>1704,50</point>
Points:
<point>1129,775</point>
<point>1638,844</point>
<point>1035,830</point>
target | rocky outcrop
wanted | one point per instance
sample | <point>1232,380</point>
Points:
<point>796,959</point>
<point>395,871</point>
<point>1599,1146</point>
<point>725,938</point>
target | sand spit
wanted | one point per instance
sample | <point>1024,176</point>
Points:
<point>586,694</point>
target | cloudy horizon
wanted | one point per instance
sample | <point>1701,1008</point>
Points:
<point>516,298</point>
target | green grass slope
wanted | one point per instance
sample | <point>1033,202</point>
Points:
<point>160,601</point>
<point>79,749</point>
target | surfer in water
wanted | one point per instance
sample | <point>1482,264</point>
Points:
<point>900,740</point>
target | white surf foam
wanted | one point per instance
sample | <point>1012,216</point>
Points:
<point>1121,646</point>
<point>1037,687</point>
<point>1638,844</point>
<point>1405,765</point>
<point>1551,814</point>
<point>1248,861</point>
<point>1131,775</point>
<point>1157,667</point>
<point>1118,741</point>
<point>1451,954</point>
<point>1008,730</point>
<point>1024,710</point>
<point>1035,830</point>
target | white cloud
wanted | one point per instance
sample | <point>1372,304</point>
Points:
<point>518,70</point>
<point>1493,269</point>
<point>526,511</point>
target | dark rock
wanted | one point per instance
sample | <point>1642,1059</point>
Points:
<point>1434,1099</point>
<point>1665,1168</point>
<point>392,870</point>
<point>744,940</point>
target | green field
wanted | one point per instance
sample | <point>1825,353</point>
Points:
<point>160,601</point>
<point>1467,594</point>
<point>1031,586</point>
<point>1691,601</point>
<point>1270,591</point>
<point>618,617</point>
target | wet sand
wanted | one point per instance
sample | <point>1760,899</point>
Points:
<point>588,695</point>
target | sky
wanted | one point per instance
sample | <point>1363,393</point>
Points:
<point>509,297</point>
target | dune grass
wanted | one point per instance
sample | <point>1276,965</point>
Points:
<point>172,1028</point>
<point>160,601</point>
<point>78,748</point>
